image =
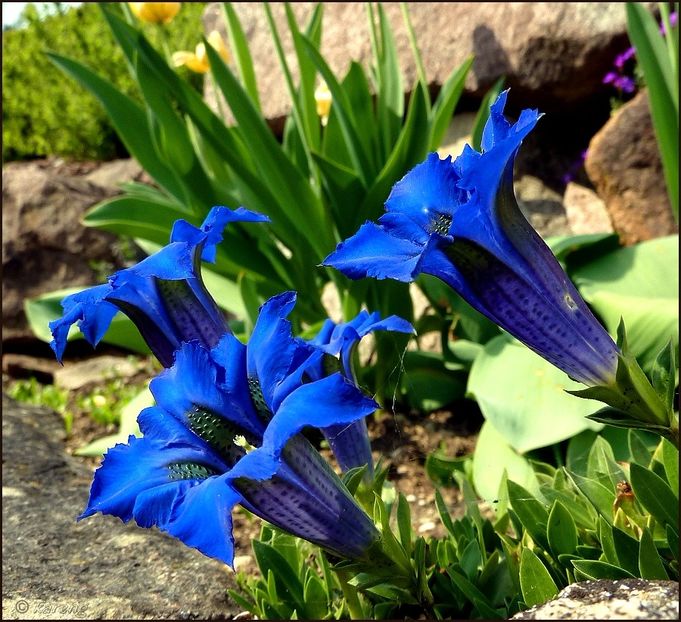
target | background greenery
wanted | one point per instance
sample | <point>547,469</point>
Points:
<point>45,115</point>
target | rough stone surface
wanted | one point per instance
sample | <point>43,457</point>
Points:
<point>623,163</point>
<point>95,370</point>
<point>542,206</point>
<point>552,54</point>
<point>55,568</point>
<point>627,599</point>
<point>44,245</point>
<point>585,210</point>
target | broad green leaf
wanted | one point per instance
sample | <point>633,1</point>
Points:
<point>655,495</point>
<point>128,119</point>
<point>639,284</point>
<point>649,563</point>
<point>561,530</point>
<point>44,309</point>
<point>470,559</point>
<point>663,375</point>
<point>607,541</point>
<point>594,569</point>
<point>137,218</point>
<point>474,595</point>
<point>493,456</point>
<point>535,580</point>
<point>639,450</point>
<point>524,396</point>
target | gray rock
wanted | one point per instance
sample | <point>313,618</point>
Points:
<point>542,206</point>
<point>552,54</point>
<point>95,370</point>
<point>55,568</point>
<point>627,599</point>
<point>585,210</point>
<point>44,245</point>
<point>623,163</point>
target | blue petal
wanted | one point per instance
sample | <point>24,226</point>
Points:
<point>93,314</point>
<point>335,401</point>
<point>272,351</point>
<point>203,518</point>
<point>191,382</point>
<point>374,252</point>
<point>210,232</point>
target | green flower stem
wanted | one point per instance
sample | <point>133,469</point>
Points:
<point>351,596</point>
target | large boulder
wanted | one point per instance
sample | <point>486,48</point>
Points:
<point>56,568</point>
<point>45,246</point>
<point>552,54</point>
<point>623,163</point>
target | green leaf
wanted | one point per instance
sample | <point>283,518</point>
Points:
<point>601,465</point>
<point>447,99</point>
<point>601,497</point>
<point>627,550</point>
<point>427,383</point>
<point>649,563</point>
<point>316,598</point>
<point>474,595</point>
<point>594,570</point>
<point>607,541</point>
<point>532,513</point>
<point>390,89</point>
<point>663,84</point>
<point>655,495</point>
<point>343,111</point>
<point>670,460</point>
<point>535,580</point>
<point>492,458</point>
<point>639,450</point>
<point>409,149</point>
<point>524,396</point>
<point>577,455</point>
<point>241,53</point>
<point>404,523</point>
<point>561,530</point>
<point>663,375</point>
<point>137,218</point>
<point>287,583</point>
<point>128,119</point>
<point>640,285</point>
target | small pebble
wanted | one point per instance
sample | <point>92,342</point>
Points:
<point>429,526</point>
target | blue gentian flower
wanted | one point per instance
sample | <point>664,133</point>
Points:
<point>350,443</point>
<point>225,431</point>
<point>163,295</point>
<point>460,221</point>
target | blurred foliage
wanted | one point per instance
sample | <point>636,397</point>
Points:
<point>45,115</point>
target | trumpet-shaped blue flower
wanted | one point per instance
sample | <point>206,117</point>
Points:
<point>163,295</point>
<point>225,431</point>
<point>350,443</point>
<point>460,221</point>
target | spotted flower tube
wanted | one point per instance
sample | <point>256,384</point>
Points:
<point>225,431</point>
<point>163,295</point>
<point>350,443</point>
<point>459,221</point>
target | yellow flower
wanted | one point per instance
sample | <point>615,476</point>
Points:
<point>155,12</point>
<point>322,97</point>
<point>198,60</point>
